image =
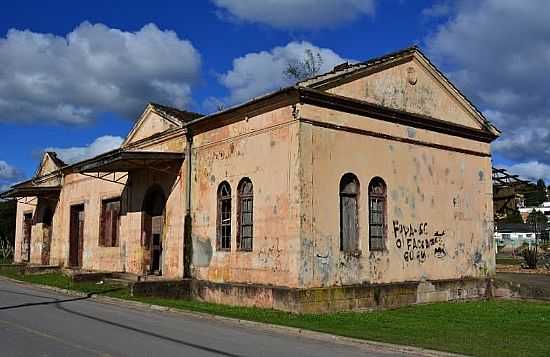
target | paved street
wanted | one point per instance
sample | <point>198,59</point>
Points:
<point>38,322</point>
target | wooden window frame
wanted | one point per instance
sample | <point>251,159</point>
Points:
<point>223,222</point>
<point>245,198</point>
<point>375,198</point>
<point>114,240</point>
<point>346,180</point>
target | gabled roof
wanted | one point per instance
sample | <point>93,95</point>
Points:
<point>345,68</point>
<point>176,117</point>
<point>348,71</point>
<point>43,182</point>
<point>515,228</point>
<point>182,116</point>
<point>53,155</point>
<point>49,156</point>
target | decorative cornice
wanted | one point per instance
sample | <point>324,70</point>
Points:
<point>363,108</point>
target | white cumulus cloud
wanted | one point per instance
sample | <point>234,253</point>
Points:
<point>498,52</point>
<point>532,170</point>
<point>99,146</point>
<point>93,69</point>
<point>8,172</point>
<point>296,14</point>
<point>258,73</point>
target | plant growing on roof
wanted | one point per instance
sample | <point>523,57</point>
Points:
<point>307,67</point>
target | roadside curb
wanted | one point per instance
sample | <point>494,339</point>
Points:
<point>294,331</point>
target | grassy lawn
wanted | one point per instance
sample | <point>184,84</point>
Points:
<point>5,261</point>
<point>509,261</point>
<point>483,328</point>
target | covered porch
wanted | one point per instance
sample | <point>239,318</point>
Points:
<point>144,222</point>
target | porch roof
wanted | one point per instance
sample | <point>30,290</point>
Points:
<point>125,161</point>
<point>30,191</point>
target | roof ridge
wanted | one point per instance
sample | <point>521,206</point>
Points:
<point>182,115</point>
<point>370,61</point>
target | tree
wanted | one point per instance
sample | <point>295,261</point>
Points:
<point>308,67</point>
<point>537,195</point>
<point>8,211</point>
<point>539,222</point>
<point>512,217</point>
<point>537,218</point>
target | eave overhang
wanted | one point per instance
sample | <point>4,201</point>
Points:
<point>31,191</point>
<point>360,107</point>
<point>125,161</point>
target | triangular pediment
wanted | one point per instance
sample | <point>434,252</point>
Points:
<point>49,163</point>
<point>148,124</point>
<point>406,81</point>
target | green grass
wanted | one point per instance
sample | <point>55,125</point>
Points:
<point>509,261</point>
<point>59,280</point>
<point>481,328</point>
<point>5,261</point>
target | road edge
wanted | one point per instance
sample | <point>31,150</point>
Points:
<point>293,331</point>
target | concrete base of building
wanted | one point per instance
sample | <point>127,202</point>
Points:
<point>319,300</point>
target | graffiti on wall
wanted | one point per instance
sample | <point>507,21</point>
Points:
<point>416,241</point>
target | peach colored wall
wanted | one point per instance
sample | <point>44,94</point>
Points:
<point>22,209</point>
<point>264,149</point>
<point>442,190</point>
<point>78,189</point>
<point>394,88</point>
<point>154,123</point>
<point>128,256</point>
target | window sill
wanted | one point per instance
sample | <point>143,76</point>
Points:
<point>353,253</point>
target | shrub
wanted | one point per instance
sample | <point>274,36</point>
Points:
<point>530,257</point>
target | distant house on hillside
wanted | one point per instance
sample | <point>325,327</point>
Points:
<point>513,235</point>
<point>544,208</point>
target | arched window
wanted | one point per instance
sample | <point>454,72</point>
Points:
<point>245,215</point>
<point>349,219</point>
<point>223,239</point>
<point>377,214</point>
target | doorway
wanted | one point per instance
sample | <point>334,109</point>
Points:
<point>152,229</point>
<point>26,243</point>
<point>47,219</point>
<point>76,236</point>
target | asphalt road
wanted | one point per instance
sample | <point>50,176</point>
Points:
<point>39,322</point>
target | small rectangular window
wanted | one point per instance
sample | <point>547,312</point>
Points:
<point>110,223</point>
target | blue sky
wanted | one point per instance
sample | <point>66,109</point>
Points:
<point>74,75</point>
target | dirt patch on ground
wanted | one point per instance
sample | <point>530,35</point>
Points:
<point>518,269</point>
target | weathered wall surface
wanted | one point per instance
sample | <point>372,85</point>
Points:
<point>152,124</point>
<point>129,254</point>
<point>264,149</point>
<point>410,87</point>
<point>443,193</point>
<point>172,184</point>
<point>78,189</point>
<point>22,209</point>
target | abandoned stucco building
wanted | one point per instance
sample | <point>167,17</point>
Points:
<point>368,185</point>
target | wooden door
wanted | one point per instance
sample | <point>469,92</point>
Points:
<point>76,236</point>
<point>26,243</point>
<point>156,244</point>
<point>46,242</point>
<point>349,223</point>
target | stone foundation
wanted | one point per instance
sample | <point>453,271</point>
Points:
<point>318,300</point>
